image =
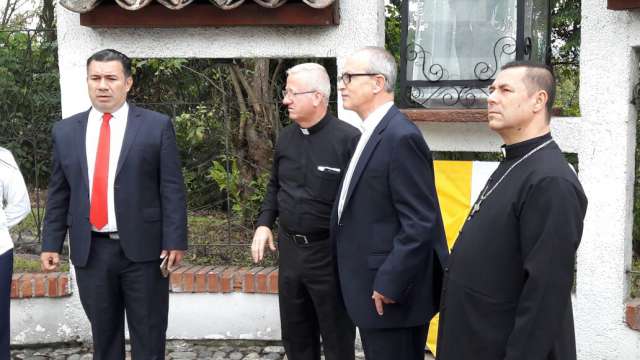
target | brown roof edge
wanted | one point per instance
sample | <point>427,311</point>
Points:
<point>623,4</point>
<point>205,15</point>
<point>84,6</point>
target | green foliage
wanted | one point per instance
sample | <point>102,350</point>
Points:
<point>258,189</point>
<point>199,135</point>
<point>393,30</point>
<point>565,23</point>
<point>29,100</point>
<point>226,175</point>
<point>565,40</point>
<point>567,89</point>
<point>159,83</point>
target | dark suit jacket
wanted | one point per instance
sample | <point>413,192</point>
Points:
<point>390,237</point>
<point>149,196</point>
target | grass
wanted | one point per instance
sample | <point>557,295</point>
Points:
<point>31,263</point>
<point>214,240</point>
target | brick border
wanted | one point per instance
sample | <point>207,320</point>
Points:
<point>185,279</point>
<point>203,279</point>
<point>632,312</point>
<point>224,279</point>
<point>39,285</point>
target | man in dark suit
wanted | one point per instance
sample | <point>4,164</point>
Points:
<point>507,289</point>
<point>116,186</point>
<point>386,223</point>
<point>310,155</point>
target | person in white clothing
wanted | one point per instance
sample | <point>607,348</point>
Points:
<point>14,207</point>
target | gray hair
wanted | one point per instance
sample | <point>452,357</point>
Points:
<point>316,75</point>
<point>380,61</point>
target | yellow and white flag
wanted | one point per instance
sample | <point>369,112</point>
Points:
<point>458,184</point>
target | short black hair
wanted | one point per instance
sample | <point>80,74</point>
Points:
<point>112,55</point>
<point>537,77</point>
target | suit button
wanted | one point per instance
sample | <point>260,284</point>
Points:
<point>446,269</point>
<point>340,224</point>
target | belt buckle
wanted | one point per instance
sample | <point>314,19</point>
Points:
<point>114,236</point>
<point>303,239</point>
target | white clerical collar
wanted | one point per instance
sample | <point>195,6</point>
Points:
<point>372,121</point>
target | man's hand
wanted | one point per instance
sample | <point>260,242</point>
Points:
<point>49,260</point>
<point>379,300</point>
<point>175,257</point>
<point>262,237</point>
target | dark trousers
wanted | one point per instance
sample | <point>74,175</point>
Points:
<point>394,344</point>
<point>310,303</point>
<point>111,285</point>
<point>6,270</point>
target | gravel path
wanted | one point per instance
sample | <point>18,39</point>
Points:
<point>176,350</point>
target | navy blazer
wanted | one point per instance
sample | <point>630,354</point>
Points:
<point>390,237</point>
<point>149,193</point>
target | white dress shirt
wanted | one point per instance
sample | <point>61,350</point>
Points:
<point>14,198</point>
<point>117,125</point>
<point>369,124</point>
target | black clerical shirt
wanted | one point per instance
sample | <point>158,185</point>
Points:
<point>307,167</point>
<point>507,286</point>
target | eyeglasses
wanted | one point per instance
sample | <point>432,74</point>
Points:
<point>346,77</point>
<point>287,93</point>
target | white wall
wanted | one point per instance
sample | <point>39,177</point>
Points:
<point>608,72</point>
<point>478,137</point>
<point>191,316</point>
<point>49,320</point>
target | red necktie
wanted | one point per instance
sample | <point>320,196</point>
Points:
<point>99,213</point>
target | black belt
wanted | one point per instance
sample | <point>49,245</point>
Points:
<point>305,239</point>
<point>106,235</point>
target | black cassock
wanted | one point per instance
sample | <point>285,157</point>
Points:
<point>507,286</point>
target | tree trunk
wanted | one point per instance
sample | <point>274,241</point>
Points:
<point>254,92</point>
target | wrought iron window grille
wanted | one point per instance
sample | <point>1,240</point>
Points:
<point>437,89</point>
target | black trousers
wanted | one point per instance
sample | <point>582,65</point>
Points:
<point>6,270</point>
<point>394,344</point>
<point>310,303</point>
<point>111,285</point>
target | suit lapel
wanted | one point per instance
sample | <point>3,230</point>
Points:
<point>133,124</point>
<point>81,145</point>
<point>367,152</point>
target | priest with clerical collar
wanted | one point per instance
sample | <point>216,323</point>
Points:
<point>507,286</point>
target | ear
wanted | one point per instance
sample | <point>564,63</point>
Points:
<point>317,98</point>
<point>540,101</point>
<point>128,83</point>
<point>379,81</point>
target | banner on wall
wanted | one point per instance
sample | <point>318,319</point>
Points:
<point>458,184</point>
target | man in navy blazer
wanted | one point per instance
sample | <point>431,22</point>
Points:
<point>116,186</point>
<point>386,223</point>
